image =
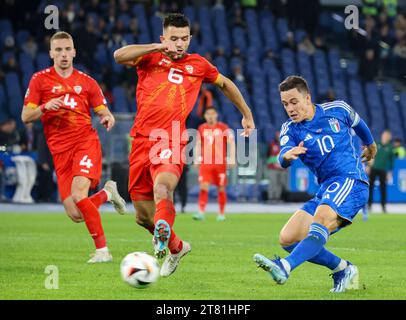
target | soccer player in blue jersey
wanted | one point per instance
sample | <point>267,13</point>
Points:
<point>319,135</point>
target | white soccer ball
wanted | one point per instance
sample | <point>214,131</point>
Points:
<point>139,269</point>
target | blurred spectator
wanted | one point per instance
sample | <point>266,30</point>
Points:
<point>330,96</point>
<point>399,58</point>
<point>319,43</point>
<point>278,177</point>
<point>238,20</point>
<point>195,32</point>
<point>134,29</point>
<point>390,7</point>
<point>290,42</point>
<point>381,167</point>
<point>45,171</point>
<point>14,143</point>
<point>11,65</point>
<point>368,67</point>
<point>30,47</point>
<point>307,46</point>
<point>370,7</point>
<point>205,100</point>
<point>399,149</point>
<point>237,73</point>
<point>85,38</point>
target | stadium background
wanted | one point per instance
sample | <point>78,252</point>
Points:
<point>255,43</point>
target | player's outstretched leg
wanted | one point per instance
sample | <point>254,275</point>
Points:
<point>344,273</point>
<point>91,215</point>
<point>114,197</point>
<point>164,235</point>
<point>222,200</point>
<point>203,199</point>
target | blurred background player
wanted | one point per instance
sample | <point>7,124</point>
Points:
<point>320,136</point>
<point>381,167</point>
<point>62,97</point>
<point>211,158</point>
<point>169,80</point>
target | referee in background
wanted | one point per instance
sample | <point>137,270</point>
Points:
<point>381,167</point>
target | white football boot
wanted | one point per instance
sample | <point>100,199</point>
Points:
<point>116,200</point>
<point>172,261</point>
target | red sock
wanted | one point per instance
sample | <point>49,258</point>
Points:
<point>99,198</point>
<point>222,199</point>
<point>166,211</point>
<point>203,198</point>
<point>93,222</point>
<point>174,244</point>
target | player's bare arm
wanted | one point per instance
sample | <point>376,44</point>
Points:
<point>295,152</point>
<point>106,118</point>
<point>128,55</point>
<point>231,91</point>
<point>32,114</point>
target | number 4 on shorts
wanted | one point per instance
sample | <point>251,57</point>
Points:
<point>86,162</point>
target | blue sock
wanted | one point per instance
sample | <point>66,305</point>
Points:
<point>324,258</point>
<point>308,247</point>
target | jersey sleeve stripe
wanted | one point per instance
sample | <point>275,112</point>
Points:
<point>31,105</point>
<point>98,108</point>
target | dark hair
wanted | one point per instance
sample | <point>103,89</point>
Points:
<point>209,108</point>
<point>397,140</point>
<point>293,82</point>
<point>177,20</point>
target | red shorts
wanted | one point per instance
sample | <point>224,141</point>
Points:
<point>85,160</point>
<point>213,174</point>
<point>144,166</point>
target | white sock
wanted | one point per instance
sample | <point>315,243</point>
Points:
<point>104,249</point>
<point>108,194</point>
<point>341,266</point>
<point>286,265</point>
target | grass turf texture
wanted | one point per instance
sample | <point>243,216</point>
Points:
<point>220,265</point>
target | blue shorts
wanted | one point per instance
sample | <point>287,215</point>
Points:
<point>346,196</point>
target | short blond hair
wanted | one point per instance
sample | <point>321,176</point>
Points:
<point>60,35</point>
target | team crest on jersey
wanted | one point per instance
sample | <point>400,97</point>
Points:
<point>78,89</point>
<point>334,124</point>
<point>189,68</point>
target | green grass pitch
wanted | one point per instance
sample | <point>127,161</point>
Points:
<point>220,265</point>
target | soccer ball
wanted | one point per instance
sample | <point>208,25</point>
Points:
<point>139,269</point>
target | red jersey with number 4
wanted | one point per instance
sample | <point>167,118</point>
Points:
<point>167,90</point>
<point>214,143</point>
<point>71,123</point>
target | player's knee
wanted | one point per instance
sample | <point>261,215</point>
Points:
<point>78,196</point>
<point>161,192</point>
<point>286,239</point>
<point>75,217</point>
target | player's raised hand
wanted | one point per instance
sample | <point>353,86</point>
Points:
<point>369,152</point>
<point>54,104</point>
<point>108,122</point>
<point>295,152</point>
<point>168,47</point>
<point>248,125</point>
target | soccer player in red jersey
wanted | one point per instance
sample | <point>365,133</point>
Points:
<point>62,97</point>
<point>211,156</point>
<point>169,80</point>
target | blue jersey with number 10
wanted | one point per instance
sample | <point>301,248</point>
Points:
<point>327,137</point>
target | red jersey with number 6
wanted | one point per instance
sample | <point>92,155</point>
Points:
<point>167,90</point>
<point>71,123</point>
